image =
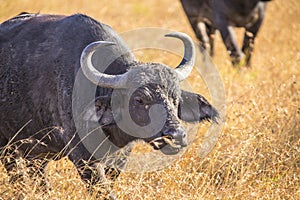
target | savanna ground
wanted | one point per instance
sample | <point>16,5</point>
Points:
<point>258,152</point>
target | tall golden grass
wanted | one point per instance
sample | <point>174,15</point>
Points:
<point>258,152</point>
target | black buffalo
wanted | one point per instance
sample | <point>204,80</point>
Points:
<point>206,16</point>
<point>40,56</point>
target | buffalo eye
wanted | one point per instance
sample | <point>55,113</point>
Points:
<point>138,101</point>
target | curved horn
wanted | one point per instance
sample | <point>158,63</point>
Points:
<point>98,78</point>
<point>186,65</point>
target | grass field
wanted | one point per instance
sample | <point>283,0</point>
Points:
<point>258,152</point>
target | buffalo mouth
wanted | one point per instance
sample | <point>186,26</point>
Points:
<point>166,145</point>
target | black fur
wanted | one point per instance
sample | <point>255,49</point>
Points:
<point>39,59</point>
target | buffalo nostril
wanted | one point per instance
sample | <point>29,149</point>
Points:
<point>178,135</point>
<point>171,132</point>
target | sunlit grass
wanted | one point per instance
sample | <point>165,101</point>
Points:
<point>258,153</point>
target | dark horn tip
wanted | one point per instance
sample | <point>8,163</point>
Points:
<point>104,43</point>
<point>172,34</point>
<point>169,35</point>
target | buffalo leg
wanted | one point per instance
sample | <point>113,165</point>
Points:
<point>229,39</point>
<point>94,173</point>
<point>18,168</point>
<point>249,38</point>
<point>248,46</point>
<point>211,33</point>
<point>203,36</point>
<point>230,42</point>
<point>86,168</point>
<point>8,159</point>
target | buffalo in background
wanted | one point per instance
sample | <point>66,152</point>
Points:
<point>206,16</point>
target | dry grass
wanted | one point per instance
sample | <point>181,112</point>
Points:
<point>258,154</point>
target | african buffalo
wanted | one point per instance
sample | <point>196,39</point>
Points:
<point>40,56</point>
<point>206,16</point>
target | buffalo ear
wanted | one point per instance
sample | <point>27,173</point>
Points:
<point>195,108</point>
<point>99,111</point>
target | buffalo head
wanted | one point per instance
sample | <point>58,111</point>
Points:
<point>147,101</point>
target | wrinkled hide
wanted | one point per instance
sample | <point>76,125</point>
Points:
<point>39,60</point>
